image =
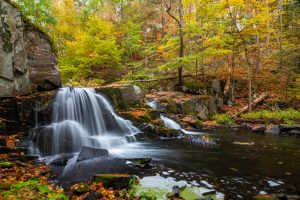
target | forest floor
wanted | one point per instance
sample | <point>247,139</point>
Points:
<point>23,177</point>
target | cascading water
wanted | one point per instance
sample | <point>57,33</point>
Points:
<point>82,118</point>
<point>169,123</point>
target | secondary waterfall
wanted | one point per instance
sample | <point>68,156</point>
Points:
<point>169,123</point>
<point>82,118</point>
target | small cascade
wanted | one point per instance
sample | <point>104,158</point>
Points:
<point>169,123</point>
<point>82,118</point>
<point>152,103</point>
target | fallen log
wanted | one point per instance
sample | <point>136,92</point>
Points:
<point>259,99</point>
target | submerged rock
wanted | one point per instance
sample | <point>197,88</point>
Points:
<point>259,128</point>
<point>90,153</point>
<point>144,163</point>
<point>272,129</point>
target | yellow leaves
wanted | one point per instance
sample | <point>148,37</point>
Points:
<point>160,49</point>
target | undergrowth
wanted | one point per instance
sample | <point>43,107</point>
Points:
<point>288,116</point>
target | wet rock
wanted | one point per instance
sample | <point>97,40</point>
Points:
<point>144,163</point>
<point>31,157</point>
<point>293,197</point>
<point>245,126</point>
<point>148,128</point>
<point>24,144</point>
<point>90,153</point>
<point>272,129</point>
<point>80,188</point>
<point>116,181</point>
<point>93,195</point>
<point>209,193</point>
<point>294,132</point>
<point>285,128</point>
<point>62,160</point>
<point>176,191</point>
<point>162,108</point>
<point>259,128</point>
<point>191,121</point>
<point>2,142</point>
<point>280,196</point>
<point>5,150</point>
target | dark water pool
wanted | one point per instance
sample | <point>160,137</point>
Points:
<point>241,165</point>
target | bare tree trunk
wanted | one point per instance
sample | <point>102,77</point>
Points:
<point>181,51</point>
<point>280,35</point>
<point>268,27</point>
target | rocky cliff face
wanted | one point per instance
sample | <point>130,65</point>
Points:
<point>27,61</point>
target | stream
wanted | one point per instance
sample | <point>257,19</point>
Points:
<point>240,165</point>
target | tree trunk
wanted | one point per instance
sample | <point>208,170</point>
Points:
<point>280,35</point>
<point>181,51</point>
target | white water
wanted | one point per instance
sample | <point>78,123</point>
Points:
<point>152,103</point>
<point>83,118</point>
<point>169,123</point>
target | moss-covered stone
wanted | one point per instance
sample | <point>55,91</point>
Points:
<point>116,181</point>
<point>5,164</point>
<point>80,188</point>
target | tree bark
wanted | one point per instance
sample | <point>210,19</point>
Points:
<point>181,51</point>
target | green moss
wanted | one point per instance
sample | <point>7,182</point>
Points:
<point>223,119</point>
<point>5,164</point>
<point>288,116</point>
<point>29,24</point>
<point>22,190</point>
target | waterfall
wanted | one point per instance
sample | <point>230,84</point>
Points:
<point>152,103</point>
<point>169,123</point>
<point>82,118</point>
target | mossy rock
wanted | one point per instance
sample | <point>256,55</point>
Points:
<point>5,164</point>
<point>116,181</point>
<point>5,186</point>
<point>166,132</point>
<point>80,188</point>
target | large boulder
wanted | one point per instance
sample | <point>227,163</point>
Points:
<point>123,96</point>
<point>27,59</point>
<point>202,106</point>
<point>90,153</point>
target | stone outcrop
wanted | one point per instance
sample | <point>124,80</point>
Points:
<point>202,106</point>
<point>122,96</point>
<point>27,61</point>
<point>24,113</point>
